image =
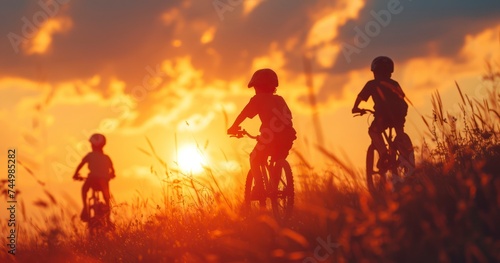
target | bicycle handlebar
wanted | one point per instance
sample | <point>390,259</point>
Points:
<point>242,133</point>
<point>362,112</point>
<point>78,177</point>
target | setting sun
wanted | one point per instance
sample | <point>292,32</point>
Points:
<point>190,159</point>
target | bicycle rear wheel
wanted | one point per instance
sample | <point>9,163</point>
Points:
<point>282,190</point>
<point>375,179</point>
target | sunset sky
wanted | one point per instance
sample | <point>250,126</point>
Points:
<point>170,71</point>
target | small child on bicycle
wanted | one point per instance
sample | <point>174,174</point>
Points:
<point>100,172</point>
<point>389,105</point>
<point>276,131</point>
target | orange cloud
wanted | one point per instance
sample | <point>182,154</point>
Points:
<point>170,16</point>
<point>208,35</point>
<point>249,6</point>
<point>274,57</point>
<point>479,47</point>
<point>43,39</point>
<point>432,72</point>
<point>325,28</point>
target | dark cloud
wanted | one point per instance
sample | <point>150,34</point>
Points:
<point>239,39</point>
<point>117,38</point>
<point>421,27</point>
<point>120,38</point>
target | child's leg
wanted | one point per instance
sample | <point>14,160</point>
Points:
<point>257,157</point>
<point>405,146</point>
<point>85,188</point>
<point>105,193</point>
<point>280,151</point>
<point>375,132</point>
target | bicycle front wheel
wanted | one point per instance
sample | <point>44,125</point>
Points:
<point>282,190</point>
<point>252,192</point>
<point>96,221</point>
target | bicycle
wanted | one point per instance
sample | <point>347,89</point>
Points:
<point>278,184</point>
<point>97,212</point>
<point>400,165</point>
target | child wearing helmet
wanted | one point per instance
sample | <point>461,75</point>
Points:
<point>389,104</point>
<point>276,131</point>
<point>100,172</point>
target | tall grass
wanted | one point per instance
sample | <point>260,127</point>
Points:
<point>447,212</point>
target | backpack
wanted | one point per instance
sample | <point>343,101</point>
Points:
<point>395,104</point>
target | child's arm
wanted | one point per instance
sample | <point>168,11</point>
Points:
<point>236,125</point>
<point>355,108</point>
<point>78,168</point>
<point>363,95</point>
<point>250,110</point>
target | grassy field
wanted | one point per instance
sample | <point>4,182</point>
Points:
<point>448,211</point>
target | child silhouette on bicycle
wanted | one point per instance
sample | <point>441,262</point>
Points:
<point>389,105</point>
<point>276,131</point>
<point>100,172</point>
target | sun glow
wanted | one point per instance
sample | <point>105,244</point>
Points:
<point>190,159</point>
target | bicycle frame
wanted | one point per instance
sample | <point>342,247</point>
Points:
<point>278,186</point>
<point>398,170</point>
<point>97,210</point>
<point>387,135</point>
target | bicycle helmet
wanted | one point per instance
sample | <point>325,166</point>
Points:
<point>264,77</point>
<point>382,63</point>
<point>97,140</point>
